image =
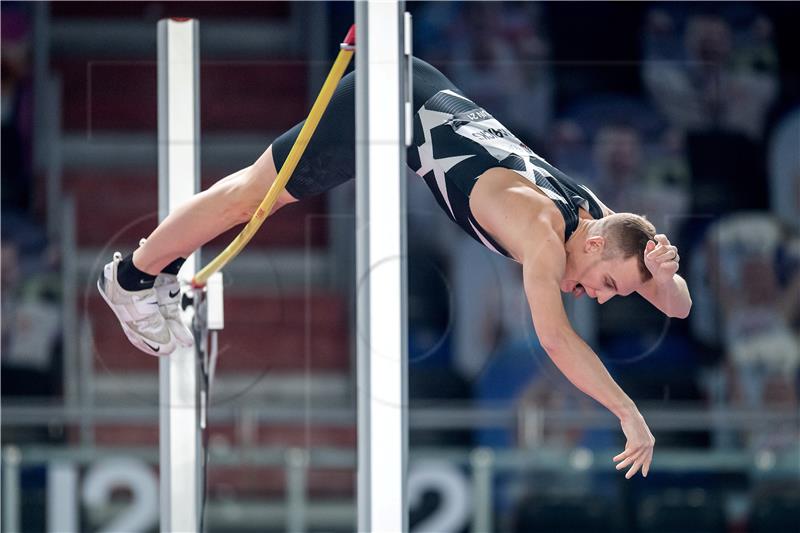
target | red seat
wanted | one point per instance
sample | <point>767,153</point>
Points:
<point>263,333</point>
<point>255,96</point>
<point>156,10</point>
<point>117,211</point>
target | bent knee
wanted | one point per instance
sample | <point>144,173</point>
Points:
<point>251,188</point>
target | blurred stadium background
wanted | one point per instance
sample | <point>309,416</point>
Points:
<point>686,112</point>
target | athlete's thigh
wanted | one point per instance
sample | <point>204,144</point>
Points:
<point>329,158</point>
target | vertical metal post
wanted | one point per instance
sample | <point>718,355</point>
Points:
<point>178,180</point>
<point>52,103</point>
<point>296,475</point>
<point>62,499</point>
<point>11,500</point>
<point>71,371</point>
<point>381,266</point>
<point>41,96</point>
<point>87,398</point>
<point>482,460</point>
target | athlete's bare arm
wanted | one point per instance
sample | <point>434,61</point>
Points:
<point>524,225</point>
<point>666,290</point>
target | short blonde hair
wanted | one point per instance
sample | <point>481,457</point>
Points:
<point>627,234</point>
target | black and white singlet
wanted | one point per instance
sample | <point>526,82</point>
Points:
<point>456,141</point>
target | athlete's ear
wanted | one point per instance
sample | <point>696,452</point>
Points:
<point>594,245</point>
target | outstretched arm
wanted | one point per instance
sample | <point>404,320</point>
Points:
<point>543,267</point>
<point>666,290</point>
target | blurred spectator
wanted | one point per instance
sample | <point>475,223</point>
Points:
<point>16,107</point>
<point>720,78</point>
<point>653,181</point>
<point>31,329</point>
<point>617,154</point>
<point>490,301</point>
<point>550,390</point>
<point>498,55</point>
<point>757,306</point>
<point>784,170</point>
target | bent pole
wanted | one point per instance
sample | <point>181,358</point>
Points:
<point>265,207</point>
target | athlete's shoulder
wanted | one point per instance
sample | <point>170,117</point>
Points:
<point>514,213</point>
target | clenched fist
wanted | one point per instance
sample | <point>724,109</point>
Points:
<point>661,259</point>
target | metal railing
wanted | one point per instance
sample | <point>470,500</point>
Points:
<point>297,513</point>
<point>448,417</point>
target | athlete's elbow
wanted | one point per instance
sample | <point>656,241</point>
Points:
<point>682,311</point>
<point>553,342</point>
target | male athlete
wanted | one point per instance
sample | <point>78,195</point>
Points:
<point>488,182</point>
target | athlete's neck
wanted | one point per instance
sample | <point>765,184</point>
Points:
<point>586,228</point>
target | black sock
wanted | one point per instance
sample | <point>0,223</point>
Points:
<point>131,278</point>
<point>174,267</point>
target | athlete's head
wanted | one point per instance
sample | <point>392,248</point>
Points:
<point>610,261</point>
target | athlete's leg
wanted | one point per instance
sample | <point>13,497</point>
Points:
<point>146,299</point>
<point>138,288</point>
<point>228,203</point>
<point>329,160</point>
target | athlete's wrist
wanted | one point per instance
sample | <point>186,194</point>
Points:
<point>664,280</point>
<point>625,409</point>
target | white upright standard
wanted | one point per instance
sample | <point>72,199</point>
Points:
<point>381,91</point>
<point>178,179</point>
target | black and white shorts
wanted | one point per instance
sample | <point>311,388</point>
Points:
<point>455,142</point>
<point>329,159</point>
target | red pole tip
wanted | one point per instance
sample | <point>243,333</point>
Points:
<point>180,19</point>
<point>350,38</point>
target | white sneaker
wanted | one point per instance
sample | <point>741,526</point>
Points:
<point>168,291</point>
<point>137,312</point>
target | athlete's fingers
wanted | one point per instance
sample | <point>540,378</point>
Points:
<point>646,465</point>
<point>627,452</point>
<point>635,468</point>
<point>663,247</point>
<point>628,460</point>
<point>622,455</point>
<point>662,239</point>
<point>667,252</point>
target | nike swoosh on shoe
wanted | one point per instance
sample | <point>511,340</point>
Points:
<point>154,348</point>
<point>173,295</point>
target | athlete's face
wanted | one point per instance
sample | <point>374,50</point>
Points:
<point>599,276</point>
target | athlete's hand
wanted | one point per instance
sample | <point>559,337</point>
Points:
<point>639,447</point>
<point>661,259</point>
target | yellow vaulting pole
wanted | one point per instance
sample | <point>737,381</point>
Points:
<point>306,132</point>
